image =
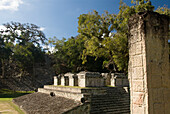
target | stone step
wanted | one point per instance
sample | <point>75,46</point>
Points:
<point>120,111</point>
<point>109,105</point>
<point>111,112</point>
<point>111,100</point>
<point>110,97</point>
<point>111,109</point>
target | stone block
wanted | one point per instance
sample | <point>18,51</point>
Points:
<point>155,68</point>
<point>62,81</point>
<point>138,98</point>
<point>125,82</point>
<point>71,81</point>
<point>137,109</point>
<point>166,94</point>
<point>132,49</point>
<point>167,107</point>
<point>137,73</point>
<point>158,108</point>
<point>113,82</point>
<point>156,81</point>
<point>138,60</point>
<point>138,86</point>
<point>138,48</point>
<point>119,82</point>
<point>157,95</point>
<point>55,80</point>
<point>90,79</point>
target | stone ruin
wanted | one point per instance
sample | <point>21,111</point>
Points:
<point>148,68</point>
<point>116,79</point>
<point>148,71</point>
<point>82,79</point>
<point>92,79</point>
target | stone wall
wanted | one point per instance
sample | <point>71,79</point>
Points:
<point>149,64</point>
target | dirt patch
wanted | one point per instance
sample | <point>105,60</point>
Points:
<point>7,108</point>
<point>40,103</point>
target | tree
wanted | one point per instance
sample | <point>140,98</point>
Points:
<point>5,52</point>
<point>106,35</point>
<point>68,56</point>
<point>26,56</point>
<point>20,42</point>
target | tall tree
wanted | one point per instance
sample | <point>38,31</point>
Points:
<point>20,40</point>
<point>68,56</point>
<point>106,35</point>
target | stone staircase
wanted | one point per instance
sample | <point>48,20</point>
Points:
<point>116,101</point>
<point>105,100</point>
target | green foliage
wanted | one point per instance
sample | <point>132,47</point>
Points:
<point>20,45</point>
<point>68,56</point>
<point>26,56</point>
<point>106,35</point>
<point>101,39</point>
<point>142,5</point>
<point>6,93</point>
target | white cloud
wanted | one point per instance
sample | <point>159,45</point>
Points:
<point>42,28</point>
<point>2,27</point>
<point>10,4</point>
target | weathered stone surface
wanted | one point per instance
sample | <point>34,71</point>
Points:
<point>149,63</point>
<point>90,79</point>
<point>70,78</point>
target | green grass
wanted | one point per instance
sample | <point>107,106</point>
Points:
<point>81,87</point>
<point>6,96</point>
<point>109,86</point>
<point>6,93</point>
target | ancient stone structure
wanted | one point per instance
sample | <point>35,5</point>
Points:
<point>57,80</point>
<point>116,79</point>
<point>90,79</point>
<point>94,95</point>
<point>149,64</point>
<point>119,80</point>
<point>82,79</point>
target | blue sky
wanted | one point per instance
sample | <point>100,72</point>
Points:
<point>57,17</point>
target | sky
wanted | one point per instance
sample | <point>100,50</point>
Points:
<point>58,18</point>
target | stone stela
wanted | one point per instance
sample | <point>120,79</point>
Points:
<point>148,69</point>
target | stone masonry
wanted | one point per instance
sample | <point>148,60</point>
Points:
<point>149,64</point>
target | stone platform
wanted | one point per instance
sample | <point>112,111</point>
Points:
<point>75,93</point>
<point>105,100</point>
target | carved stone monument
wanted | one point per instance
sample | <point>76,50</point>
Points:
<point>149,64</point>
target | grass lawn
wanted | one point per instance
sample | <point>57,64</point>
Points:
<point>6,104</point>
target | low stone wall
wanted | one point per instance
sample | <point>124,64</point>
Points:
<point>116,79</point>
<point>60,88</point>
<point>66,94</point>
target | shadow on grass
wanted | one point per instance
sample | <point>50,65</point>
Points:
<point>6,93</point>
